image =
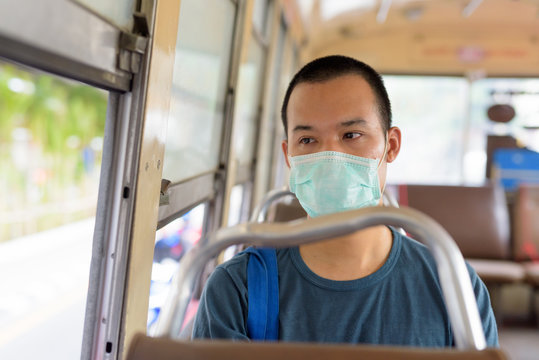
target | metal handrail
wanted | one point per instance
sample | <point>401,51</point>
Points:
<point>260,212</point>
<point>454,277</point>
<point>389,199</point>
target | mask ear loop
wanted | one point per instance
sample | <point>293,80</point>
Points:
<point>382,159</point>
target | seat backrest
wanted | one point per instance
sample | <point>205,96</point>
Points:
<point>525,224</point>
<point>495,142</point>
<point>286,211</point>
<point>476,217</point>
<point>143,347</point>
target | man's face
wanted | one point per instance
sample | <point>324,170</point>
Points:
<point>338,115</point>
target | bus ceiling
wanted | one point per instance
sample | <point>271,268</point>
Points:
<point>425,37</point>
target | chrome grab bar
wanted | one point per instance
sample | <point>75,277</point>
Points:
<point>389,199</point>
<point>260,212</point>
<point>454,277</point>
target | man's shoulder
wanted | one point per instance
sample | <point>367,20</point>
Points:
<point>236,266</point>
<point>231,272</point>
<point>412,246</point>
<point>237,260</point>
<point>413,253</point>
<point>414,250</point>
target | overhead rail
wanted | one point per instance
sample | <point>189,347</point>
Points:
<point>454,277</point>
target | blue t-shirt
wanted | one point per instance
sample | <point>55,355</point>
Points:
<point>399,304</point>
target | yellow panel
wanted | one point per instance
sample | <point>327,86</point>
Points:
<point>150,169</point>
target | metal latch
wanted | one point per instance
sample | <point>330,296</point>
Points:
<point>163,195</point>
<point>133,45</point>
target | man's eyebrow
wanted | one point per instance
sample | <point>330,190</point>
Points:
<point>353,122</point>
<point>302,127</point>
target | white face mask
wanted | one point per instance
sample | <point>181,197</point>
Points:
<point>328,182</point>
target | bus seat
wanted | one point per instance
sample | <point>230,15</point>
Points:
<point>286,211</point>
<point>525,224</point>
<point>498,271</point>
<point>532,277</point>
<point>526,237</point>
<point>143,347</point>
<point>495,142</point>
<point>478,219</point>
<point>532,273</point>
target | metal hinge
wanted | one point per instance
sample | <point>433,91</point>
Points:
<point>133,45</point>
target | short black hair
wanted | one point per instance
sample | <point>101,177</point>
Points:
<point>330,67</point>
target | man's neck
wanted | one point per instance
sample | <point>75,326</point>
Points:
<point>349,257</point>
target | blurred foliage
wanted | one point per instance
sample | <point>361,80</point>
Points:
<point>51,131</point>
<point>52,111</point>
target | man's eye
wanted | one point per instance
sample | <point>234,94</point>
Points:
<point>351,135</point>
<point>306,141</point>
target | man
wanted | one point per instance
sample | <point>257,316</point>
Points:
<point>373,286</point>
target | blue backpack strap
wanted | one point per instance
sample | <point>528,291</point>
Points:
<point>263,292</point>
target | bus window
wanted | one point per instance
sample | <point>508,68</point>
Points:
<point>171,243</point>
<point>523,95</point>
<point>51,138</point>
<point>433,110</point>
<point>236,201</point>
<point>289,60</point>
<point>261,15</point>
<point>248,103</point>
<point>198,97</point>
<point>238,212</point>
<point>269,138</point>
<point>446,119</point>
<point>117,12</point>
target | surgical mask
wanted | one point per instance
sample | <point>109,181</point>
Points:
<point>329,182</point>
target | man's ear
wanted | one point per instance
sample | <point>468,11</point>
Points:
<point>394,143</point>
<point>284,145</point>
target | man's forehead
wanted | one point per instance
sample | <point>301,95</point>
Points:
<point>357,122</point>
<point>347,100</point>
<point>308,94</point>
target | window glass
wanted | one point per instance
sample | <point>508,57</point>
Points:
<point>51,136</point>
<point>198,96</point>
<point>431,113</point>
<point>288,70</point>
<point>119,12</point>
<point>523,95</point>
<point>260,15</point>
<point>171,243</point>
<point>236,201</point>
<point>331,8</point>
<point>247,111</point>
<point>236,207</point>
<point>270,140</point>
